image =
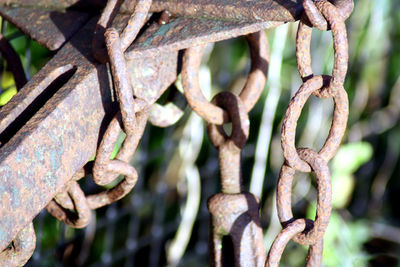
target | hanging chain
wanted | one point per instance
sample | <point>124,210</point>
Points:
<point>323,15</point>
<point>71,205</point>
<point>234,212</point>
<point>251,92</point>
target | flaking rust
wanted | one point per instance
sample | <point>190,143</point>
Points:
<point>46,152</point>
<point>42,145</point>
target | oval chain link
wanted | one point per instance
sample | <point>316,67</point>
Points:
<point>251,91</point>
<point>323,15</point>
<point>233,205</point>
<point>71,205</point>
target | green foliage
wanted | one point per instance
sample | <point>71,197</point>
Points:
<point>348,159</point>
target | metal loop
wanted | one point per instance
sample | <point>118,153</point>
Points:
<point>251,92</point>
<point>275,253</point>
<point>106,170</point>
<point>317,20</point>
<point>234,107</point>
<point>340,45</point>
<point>121,80</point>
<point>128,35</point>
<point>119,191</point>
<point>61,209</point>
<point>229,147</point>
<point>21,248</point>
<point>316,230</point>
<point>293,112</point>
<point>103,172</point>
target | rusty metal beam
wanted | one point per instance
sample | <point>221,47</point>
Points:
<point>37,160</point>
<point>53,23</point>
<point>51,128</point>
<point>235,10</point>
<point>49,28</point>
<point>184,32</point>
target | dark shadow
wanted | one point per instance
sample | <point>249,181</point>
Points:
<point>36,104</point>
<point>227,256</point>
<point>294,7</point>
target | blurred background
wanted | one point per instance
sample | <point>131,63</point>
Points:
<point>164,221</point>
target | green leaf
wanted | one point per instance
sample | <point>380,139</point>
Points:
<point>351,156</point>
<point>7,80</point>
<point>118,145</point>
<point>7,95</point>
<point>342,188</point>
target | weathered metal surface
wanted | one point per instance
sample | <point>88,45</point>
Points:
<point>316,19</point>
<point>293,112</point>
<point>21,248</point>
<point>314,257</point>
<point>70,205</point>
<point>316,85</point>
<point>181,33</point>
<point>49,28</point>
<point>52,28</point>
<point>234,213</point>
<point>53,4</point>
<point>314,230</point>
<point>136,21</point>
<point>75,92</point>
<point>237,10</point>
<point>229,147</point>
<point>303,231</point>
<point>46,152</point>
<point>340,45</point>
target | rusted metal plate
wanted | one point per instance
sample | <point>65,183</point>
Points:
<point>37,160</point>
<point>52,4</point>
<point>63,135</point>
<point>184,32</point>
<point>234,10</point>
<point>51,23</point>
<point>49,28</point>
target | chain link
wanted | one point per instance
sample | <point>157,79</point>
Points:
<point>128,35</point>
<point>71,205</point>
<point>251,91</point>
<point>234,212</point>
<point>323,15</point>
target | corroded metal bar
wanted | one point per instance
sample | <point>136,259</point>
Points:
<point>235,10</point>
<point>184,32</point>
<point>40,158</point>
<point>53,23</point>
<point>49,28</point>
<point>44,127</point>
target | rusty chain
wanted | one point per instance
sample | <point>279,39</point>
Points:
<point>71,205</point>
<point>250,92</point>
<point>234,212</point>
<point>323,15</point>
